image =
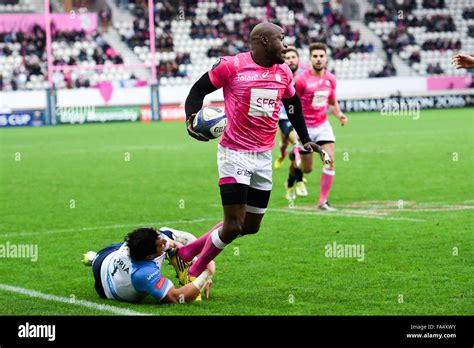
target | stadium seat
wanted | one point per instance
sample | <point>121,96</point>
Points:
<point>430,28</point>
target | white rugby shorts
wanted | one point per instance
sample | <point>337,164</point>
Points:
<point>249,168</point>
<point>323,132</point>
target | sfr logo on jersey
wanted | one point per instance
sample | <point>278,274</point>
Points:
<point>320,98</point>
<point>262,101</point>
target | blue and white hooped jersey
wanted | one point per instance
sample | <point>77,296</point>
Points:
<point>282,115</point>
<point>127,280</point>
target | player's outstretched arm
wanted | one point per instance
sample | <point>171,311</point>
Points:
<point>336,111</point>
<point>189,292</point>
<point>463,61</point>
<point>295,116</point>
<point>211,267</point>
<point>194,102</point>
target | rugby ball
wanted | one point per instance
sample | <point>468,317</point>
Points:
<point>210,122</point>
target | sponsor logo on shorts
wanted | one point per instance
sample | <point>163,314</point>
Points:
<point>244,172</point>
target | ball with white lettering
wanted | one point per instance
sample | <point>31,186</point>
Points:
<point>210,122</point>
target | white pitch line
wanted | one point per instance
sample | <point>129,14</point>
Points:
<point>94,228</point>
<point>83,303</point>
<point>299,212</point>
<point>339,213</point>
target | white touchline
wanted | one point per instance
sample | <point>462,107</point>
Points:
<point>299,212</point>
<point>94,228</point>
<point>83,303</point>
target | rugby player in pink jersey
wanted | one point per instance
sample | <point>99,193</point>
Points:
<point>289,136</point>
<point>316,88</point>
<point>255,85</point>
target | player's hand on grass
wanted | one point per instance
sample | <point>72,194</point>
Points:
<point>207,289</point>
<point>310,146</point>
<point>191,132</point>
<point>343,119</point>
<point>463,61</point>
<point>211,267</point>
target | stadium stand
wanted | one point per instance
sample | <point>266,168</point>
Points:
<point>24,62</point>
<point>190,34</point>
<point>425,33</point>
<point>209,29</point>
<point>16,6</point>
<point>23,58</point>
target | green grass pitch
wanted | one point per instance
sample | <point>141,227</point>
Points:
<point>70,189</point>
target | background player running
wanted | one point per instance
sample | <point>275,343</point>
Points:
<point>131,271</point>
<point>289,136</point>
<point>317,89</point>
<point>255,85</point>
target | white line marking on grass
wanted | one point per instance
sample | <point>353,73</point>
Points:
<point>344,213</point>
<point>342,210</point>
<point>429,210</point>
<point>121,148</point>
<point>329,214</point>
<point>387,207</point>
<point>95,228</point>
<point>83,303</point>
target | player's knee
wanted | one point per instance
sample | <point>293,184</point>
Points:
<point>306,169</point>
<point>233,228</point>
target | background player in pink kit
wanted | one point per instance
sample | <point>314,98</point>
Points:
<point>316,88</point>
<point>289,136</point>
<point>255,85</point>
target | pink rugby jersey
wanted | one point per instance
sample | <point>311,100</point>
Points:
<point>252,98</point>
<point>315,94</point>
